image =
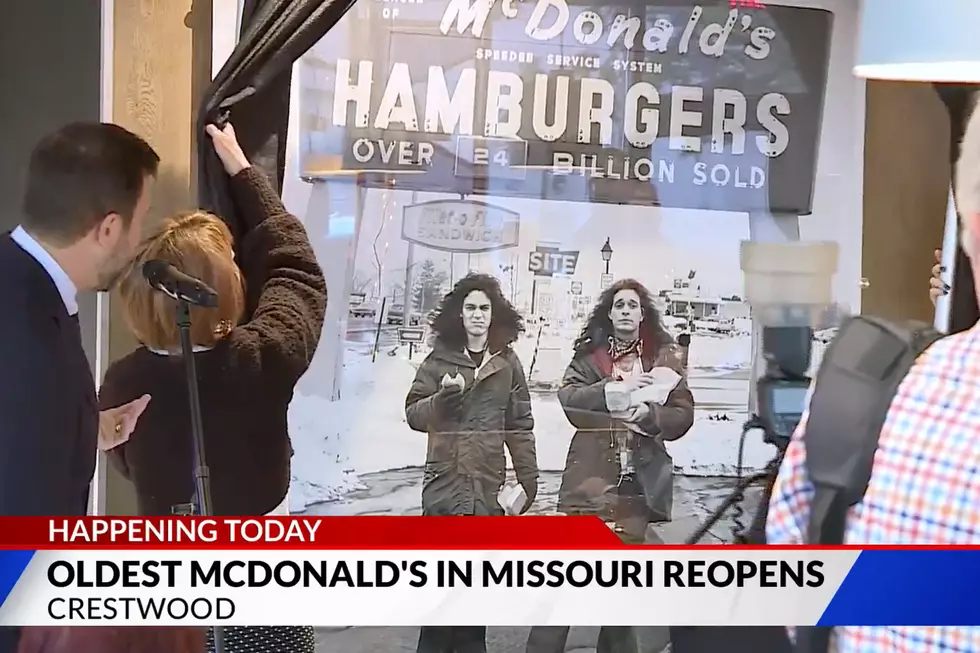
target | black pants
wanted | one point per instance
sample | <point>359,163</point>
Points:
<point>455,639</point>
<point>452,639</point>
<point>631,520</point>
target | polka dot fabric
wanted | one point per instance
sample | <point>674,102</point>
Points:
<point>265,639</point>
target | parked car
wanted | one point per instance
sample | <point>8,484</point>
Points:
<point>362,309</point>
<point>713,324</point>
<point>396,314</point>
<point>717,325</point>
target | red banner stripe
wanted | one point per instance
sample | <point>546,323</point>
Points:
<point>338,533</point>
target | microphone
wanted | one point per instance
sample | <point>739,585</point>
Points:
<point>166,278</point>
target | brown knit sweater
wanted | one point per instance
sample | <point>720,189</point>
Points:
<point>246,381</point>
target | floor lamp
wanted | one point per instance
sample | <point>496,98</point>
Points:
<point>919,41</point>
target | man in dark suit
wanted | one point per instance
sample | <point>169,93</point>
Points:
<point>87,193</point>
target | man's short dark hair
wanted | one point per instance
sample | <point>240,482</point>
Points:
<point>82,173</point>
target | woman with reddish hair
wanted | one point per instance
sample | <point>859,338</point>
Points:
<point>249,351</point>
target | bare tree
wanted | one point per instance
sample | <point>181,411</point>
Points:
<point>378,262</point>
<point>360,284</point>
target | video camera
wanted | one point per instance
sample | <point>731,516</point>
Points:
<point>789,288</point>
<point>782,389</point>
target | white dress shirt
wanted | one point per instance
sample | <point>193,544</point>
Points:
<point>67,289</point>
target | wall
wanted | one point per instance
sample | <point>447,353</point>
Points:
<point>906,178</point>
<point>41,93</point>
<point>157,65</point>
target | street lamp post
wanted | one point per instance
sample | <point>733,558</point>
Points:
<point>606,252</point>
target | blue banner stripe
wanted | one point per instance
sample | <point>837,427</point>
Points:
<point>12,565</point>
<point>908,588</point>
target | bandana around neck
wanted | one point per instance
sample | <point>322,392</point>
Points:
<point>619,348</point>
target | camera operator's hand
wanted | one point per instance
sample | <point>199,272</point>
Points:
<point>937,287</point>
<point>227,148</point>
<point>449,401</point>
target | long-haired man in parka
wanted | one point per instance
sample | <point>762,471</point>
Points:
<point>471,397</point>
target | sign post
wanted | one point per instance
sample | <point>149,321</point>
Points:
<point>545,262</point>
<point>377,330</point>
<point>411,336</point>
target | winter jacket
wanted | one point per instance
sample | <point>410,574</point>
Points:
<point>592,468</point>
<point>465,462</point>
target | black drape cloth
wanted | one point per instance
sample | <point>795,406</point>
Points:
<point>252,90</point>
<point>964,311</point>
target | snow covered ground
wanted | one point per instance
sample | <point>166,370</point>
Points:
<point>320,469</point>
<point>365,432</point>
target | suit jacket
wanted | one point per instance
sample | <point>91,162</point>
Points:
<point>49,420</point>
<point>48,411</point>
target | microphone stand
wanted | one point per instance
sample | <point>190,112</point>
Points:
<point>202,476</point>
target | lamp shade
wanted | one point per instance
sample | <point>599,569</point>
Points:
<point>606,251</point>
<point>920,40</point>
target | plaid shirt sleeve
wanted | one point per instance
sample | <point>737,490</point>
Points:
<point>789,506</point>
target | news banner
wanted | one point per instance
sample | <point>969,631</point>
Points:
<point>406,571</point>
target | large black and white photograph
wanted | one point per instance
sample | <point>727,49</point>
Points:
<point>524,201</point>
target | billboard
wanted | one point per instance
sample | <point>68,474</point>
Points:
<point>677,104</point>
<point>465,226</point>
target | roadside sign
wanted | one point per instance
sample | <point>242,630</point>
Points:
<point>550,261</point>
<point>411,335</point>
<point>546,304</point>
<point>605,281</point>
<point>576,288</point>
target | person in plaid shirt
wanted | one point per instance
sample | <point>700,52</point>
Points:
<point>925,487</point>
